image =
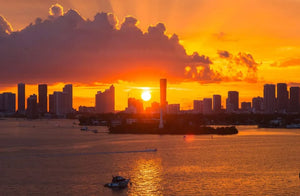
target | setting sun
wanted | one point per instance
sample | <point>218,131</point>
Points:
<point>146,96</point>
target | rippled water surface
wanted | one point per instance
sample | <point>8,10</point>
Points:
<point>53,157</point>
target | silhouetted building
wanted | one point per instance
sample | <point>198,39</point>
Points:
<point>85,109</point>
<point>105,101</point>
<point>135,106</point>
<point>21,97</point>
<point>207,105</point>
<point>68,90</point>
<point>173,108</point>
<point>8,103</point>
<point>42,98</point>
<point>163,94</point>
<point>257,104</point>
<point>282,98</point>
<point>32,106</point>
<point>294,99</point>
<point>1,103</point>
<point>155,108</point>
<point>51,104</point>
<point>246,106</point>
<point>198,106</point>
<point>217,103</point>
<point>232,102</point>
<point>269,98</point>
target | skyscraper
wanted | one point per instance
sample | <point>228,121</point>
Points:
<point>216,103</point>
<point>21,97</point>
<point>294,99</point>
<point>269,98</point>
<point>198,106</point>
<point>282,98</point>
<point>163,94</point>
<point>32,107</point>
<point>68,90</point>
<point>232,102</point>
<point>42,98</point>
<point>134,106</point>
<point>105,101</point>
<point>207,105</point>
<point>257,104</point>
<point>8,103</point>
<point>246,106</point>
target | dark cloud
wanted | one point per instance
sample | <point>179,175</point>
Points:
<point>68,48</point>
<point>224,54</point>
<point>287,63</point>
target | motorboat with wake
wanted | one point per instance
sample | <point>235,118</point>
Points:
<point>118,182</point>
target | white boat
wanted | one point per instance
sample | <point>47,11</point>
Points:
<point>118,182</point>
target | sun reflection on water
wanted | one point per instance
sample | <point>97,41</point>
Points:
<point>146,178</point>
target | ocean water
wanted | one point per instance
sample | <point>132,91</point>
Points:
<point>53,157</point>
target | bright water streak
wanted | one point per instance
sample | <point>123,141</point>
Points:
<point>254,162</point>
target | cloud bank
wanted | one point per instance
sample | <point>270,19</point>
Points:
<point>65,47</point>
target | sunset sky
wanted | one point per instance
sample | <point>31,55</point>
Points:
<point>202,47</point>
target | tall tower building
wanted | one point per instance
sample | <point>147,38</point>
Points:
<point>198,106</point>
<point>282,98</point>
<point>207,105</point>
<point>257,104</point>
<point>294,99</point>
<point>32,107</point>
<point>21,97</point>
<point>68,90</point>
<point>163,95</point>
<point>42,98</point>
<point>232,102</point>
<point>105,101</point>
<point>269,98</point>
<point>8,104</point>
<point>217,103</point>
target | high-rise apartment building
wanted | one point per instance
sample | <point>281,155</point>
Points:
<point>217,103</point>
<point>32,106</point>
<point>282,98</point>
<point>207,106</point>
<point>198,106</point>
<point>173,108</point>
<point>68,90</point>
<point>269,98</point>
<point>42,98</point>
<point>257,104</point>
<point>7,102</point>
<point>21,97</point>
<point>232,102</point>
<point>105,101</point>
<point>294,99</point>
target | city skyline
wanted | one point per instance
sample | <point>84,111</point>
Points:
<point>277,98</point>
<point>221,54</point>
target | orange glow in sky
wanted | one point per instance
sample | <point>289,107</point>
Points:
<point>262,39</point>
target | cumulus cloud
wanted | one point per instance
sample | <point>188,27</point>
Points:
<point>241,66</point>
<point>56,10</point>
<point>68,48</point>
<point>224,54</point>
<point>5,27</point>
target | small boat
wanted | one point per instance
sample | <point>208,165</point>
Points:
<point>118,182</point>
<point>84,129</point>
